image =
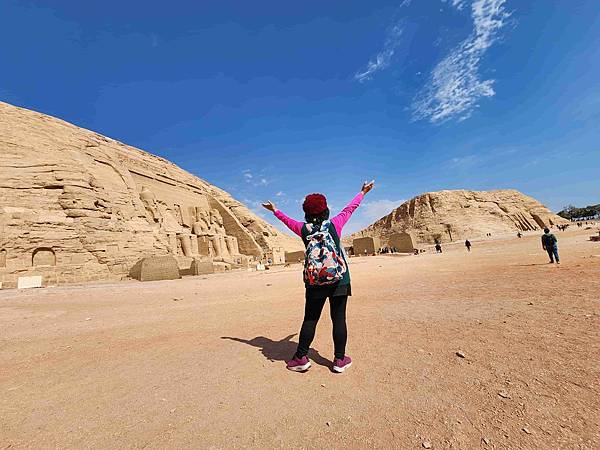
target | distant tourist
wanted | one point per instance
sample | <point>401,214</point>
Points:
<point>326,273</point>
<point>550,244</point>
<point>438,247</point>
<point>519,235</point>
<point>468,245</point>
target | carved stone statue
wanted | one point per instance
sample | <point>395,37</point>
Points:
<point>176,211</point>
<point>149,200</point>
<point>232,245</point>
<point>210,228</point>
<point>216,221</point>
<point>186,244</point>
<point>220,247</point>
<point>202,223</point>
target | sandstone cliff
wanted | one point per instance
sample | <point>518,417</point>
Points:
<point>78,206</point>
<point>459,214</point>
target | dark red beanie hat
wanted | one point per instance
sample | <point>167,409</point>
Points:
<point>314,204</point>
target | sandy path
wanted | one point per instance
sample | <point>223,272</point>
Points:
<point>127,366</point>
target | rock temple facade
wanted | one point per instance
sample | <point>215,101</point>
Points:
<point>77,206</point>
<point>451,215</point>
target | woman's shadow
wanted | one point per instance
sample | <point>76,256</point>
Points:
<point>282,350</point>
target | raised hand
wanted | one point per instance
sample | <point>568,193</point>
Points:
<point>270,206</point>
<point>367,186</point>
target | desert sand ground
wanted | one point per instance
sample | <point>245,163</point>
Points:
<point>199,362</point>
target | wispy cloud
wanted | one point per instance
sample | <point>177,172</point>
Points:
<point>458,4</point>
<point>383,59</point>
<point>255,206</point>
<point>480,159</point>
<point>255,180</point>
<point>454,86</point>
<point>466,162</point>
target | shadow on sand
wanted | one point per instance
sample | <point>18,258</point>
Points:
<point>531,265</point>
<point>282,350</point>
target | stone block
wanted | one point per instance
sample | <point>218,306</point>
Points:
<point>276,256</point>
<point>242,261</point>
<point>221,266</point>
<point>294,257</point>
<point>29,282</point>
<point>366,246</point>
<point>199,267</point>
<point>154,268</point>
<point>403,242</point>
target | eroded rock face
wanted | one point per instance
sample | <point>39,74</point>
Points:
<point>457,215</point>
<point>77,206</point>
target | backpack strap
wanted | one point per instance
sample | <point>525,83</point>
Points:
<point>304,232</point>
<point>335,237</point>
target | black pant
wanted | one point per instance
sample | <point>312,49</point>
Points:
<point>553,253</point>
<point>312,313</point>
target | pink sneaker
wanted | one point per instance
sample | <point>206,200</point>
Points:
<point>340,365</point>
<point>298,364</point>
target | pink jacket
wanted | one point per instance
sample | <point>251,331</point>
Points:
<point>338,221</point>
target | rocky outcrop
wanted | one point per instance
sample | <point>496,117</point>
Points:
<point>78,206</point>
<point>459,214</point>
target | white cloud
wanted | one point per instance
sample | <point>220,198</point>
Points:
<point>454,86</point>
<point>248,175</point>
<point>384,57</point>
<point>280,194</point>
<point>458,4</point>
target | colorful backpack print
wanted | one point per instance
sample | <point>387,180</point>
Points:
<point>323,264</point>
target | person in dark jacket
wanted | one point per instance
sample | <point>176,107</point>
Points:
<point>468,245</point>
<point>550,244</point>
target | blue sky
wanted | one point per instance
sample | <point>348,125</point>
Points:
<point>274,100</point>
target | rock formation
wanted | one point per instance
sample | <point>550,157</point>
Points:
<point>77,206</point>
<point>457,215</point>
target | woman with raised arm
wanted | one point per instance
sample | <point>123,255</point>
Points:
<point>326,273</point>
